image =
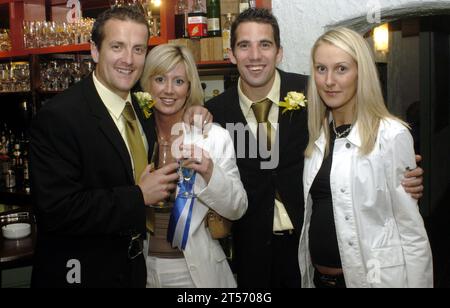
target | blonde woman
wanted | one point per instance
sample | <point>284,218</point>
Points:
<point>171,77</point>
<point>361,229</point>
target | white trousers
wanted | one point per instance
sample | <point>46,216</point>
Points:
<point>168,273</point>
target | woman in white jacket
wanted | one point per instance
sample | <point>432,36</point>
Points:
<point>361,229</point>
<point>170,76</point>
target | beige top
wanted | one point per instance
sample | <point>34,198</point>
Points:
<point>158,246</point>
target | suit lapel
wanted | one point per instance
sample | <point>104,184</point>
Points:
<point>107,125</point>
<point>284,120</point>
<point>234,113</point>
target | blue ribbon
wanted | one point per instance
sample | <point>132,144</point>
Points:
<point>180,218</point>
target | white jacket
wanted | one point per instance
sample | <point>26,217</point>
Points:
<point>224,194</point>
<point>381,236</point>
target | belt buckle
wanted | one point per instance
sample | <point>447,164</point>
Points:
<point>328,280</point>
<point>284,232</point>
<point>135,248</point>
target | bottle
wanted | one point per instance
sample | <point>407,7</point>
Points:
<point>3,146</point>
<point>214,18</point>
<point>181,19</point>
<point>10,179</point>
<point>26,173</point>
<point>25,146</point>
<point>18,164</point>
<point>26,113</point>
<point>11,142</point>
<point>243,5</point>
<point>198,21</point>
<point>226,36</point>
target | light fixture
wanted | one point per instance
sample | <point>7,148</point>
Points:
<point>156,3</point>
<point>381,38</point>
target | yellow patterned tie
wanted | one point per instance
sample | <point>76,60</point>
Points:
<point>137,149</point>
<point>134,138</point>
<point>261,110</point>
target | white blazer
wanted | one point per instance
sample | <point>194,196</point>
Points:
<point>224,194</point>
<point>381,235</point>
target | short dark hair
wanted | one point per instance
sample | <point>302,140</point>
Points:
<point>258,15</point>
<point>125,13</point>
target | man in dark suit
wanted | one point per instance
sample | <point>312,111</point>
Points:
<point>266,239</point>
<point>89,193</point>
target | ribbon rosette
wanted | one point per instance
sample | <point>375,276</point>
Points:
<point>146,103</point>
<point>181,216</point>
<point>293,101</point>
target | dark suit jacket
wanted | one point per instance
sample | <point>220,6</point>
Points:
<point>86,202</point>
<point>253,233</point>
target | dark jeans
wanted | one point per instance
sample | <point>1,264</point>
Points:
<point>322,281</point>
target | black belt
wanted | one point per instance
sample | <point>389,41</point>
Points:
<point>323,281</point>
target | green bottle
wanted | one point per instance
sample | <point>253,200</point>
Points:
<point>213,9</point>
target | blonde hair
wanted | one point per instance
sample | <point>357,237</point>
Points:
<point>370,108</point>
<point>166,57</point>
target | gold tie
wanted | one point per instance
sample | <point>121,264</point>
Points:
<point>261,110</point>
<point>137,149</point>
<point>134,138</point>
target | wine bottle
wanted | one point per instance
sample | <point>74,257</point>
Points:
<point>214,27</point>
<point>181,19</point>
<point>226,36</point>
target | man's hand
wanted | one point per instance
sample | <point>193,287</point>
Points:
<point>413,182</point>
<point>156,186</point>
<point>198,116</point>
<point>198,160</point>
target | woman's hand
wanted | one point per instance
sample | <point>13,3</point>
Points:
<point>198,160</point>
<point>198,116</point>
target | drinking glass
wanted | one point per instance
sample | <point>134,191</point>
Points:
<point>187,181</point>
<point>164,158</point>
<point>187,174</point>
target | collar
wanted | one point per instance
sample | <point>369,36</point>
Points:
<point>274,95</point>
<point>114,103</point>
<point>353,137</point>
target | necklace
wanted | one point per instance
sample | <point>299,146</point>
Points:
<point>344,133</point>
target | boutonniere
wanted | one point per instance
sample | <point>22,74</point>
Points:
<point>146,103</point>
<point>293,101</point>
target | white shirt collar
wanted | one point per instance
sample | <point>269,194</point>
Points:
<point>114,103</point>
<point>274,95</point>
